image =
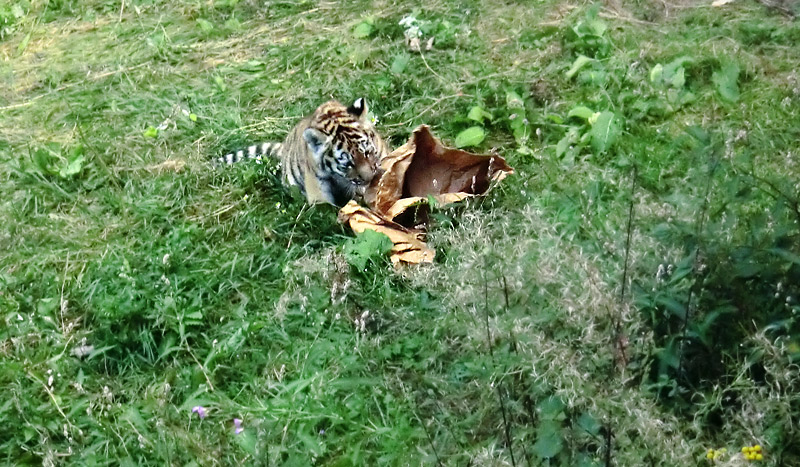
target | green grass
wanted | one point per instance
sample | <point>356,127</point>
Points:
<point>543,334</point>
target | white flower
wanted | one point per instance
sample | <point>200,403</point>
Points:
<point>408,21</point>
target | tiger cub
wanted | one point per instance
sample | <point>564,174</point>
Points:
<point>332,155</point>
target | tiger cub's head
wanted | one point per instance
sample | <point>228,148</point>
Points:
<point>345,144</point>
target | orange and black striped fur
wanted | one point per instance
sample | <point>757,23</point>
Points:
<point>331,155</point>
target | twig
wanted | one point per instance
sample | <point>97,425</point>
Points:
<point>296,220</point>
<point>526,400</point>
<point>425,428</point>
<point>608,446</point>
<point>202,368</point>
<point>506,426</point>
<point>431,69</point>
<point>618,346</point>
<point>792,202</point>
<point>712,166</point>
<point>430,440</point>
<point>628,239</point>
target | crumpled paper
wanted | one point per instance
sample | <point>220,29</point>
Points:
<point>422,168</point>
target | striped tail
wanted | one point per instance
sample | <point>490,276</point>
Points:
<point>255,152</point>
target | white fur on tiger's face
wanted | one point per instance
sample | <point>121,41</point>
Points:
<point>332,155</point>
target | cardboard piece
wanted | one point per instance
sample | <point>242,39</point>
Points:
<point>398,200</point>
<point>408,245</point>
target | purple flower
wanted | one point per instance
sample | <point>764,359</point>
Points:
<point>200,411</point>
<point>237,422</point>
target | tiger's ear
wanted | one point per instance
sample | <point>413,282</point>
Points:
<point>359,108</point>
<point>316,140</point>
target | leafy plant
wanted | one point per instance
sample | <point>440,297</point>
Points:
<point>598,130</point>
<point>588,35</point>
<point>10,15</point>
<point>365,28</point>
<point>369,247</point>
<point>53,159</point>
<point>475,134</point>
<point>726,81</point>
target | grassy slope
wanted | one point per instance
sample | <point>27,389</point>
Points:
<point>219,289</point>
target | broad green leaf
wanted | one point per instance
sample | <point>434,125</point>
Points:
<point>672,67</point>
<point>579,63</point>
<point>514,101</point>
<point>205,25</point>
<point>472,136</point>
<point>672,74</point>
<point>17,11</point>
<point>605,131</point>
<point>233,24</point>
<point>726,81</point>
<point>597,27</point>
<point>588,424</point>
<point>478,114</point>
<point>359,55</point>
<point>73,167</point>
<point>551,408</point>
<point>581,112</point>
<point>193,117</point>
<point>668,356</point>
<point>44,158</point>
<point>400,63</point>
<point>247,441</point>
<point>133,416</point>
<point>675,307</point>
<point>549,441</point>
<point>678,78</point>
<point>746,269</point>
<point>699,134</point>
<point>656,73</point>
<point>24,44</point>
<point>563,145</point>
<point>220,83</point>
<point>150,132</point>
<point>367,245</point>
<point>198,315</point>
<point>785,254</point>
<point>685,97</point>
<point>363,29</point>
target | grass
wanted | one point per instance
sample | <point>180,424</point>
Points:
<point>627,298</point>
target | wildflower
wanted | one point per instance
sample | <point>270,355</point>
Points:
<point>752,453</point>
<point>408,21</point>
<point>713,454</point>
<point>200,411</point>
<point>237,423</point>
